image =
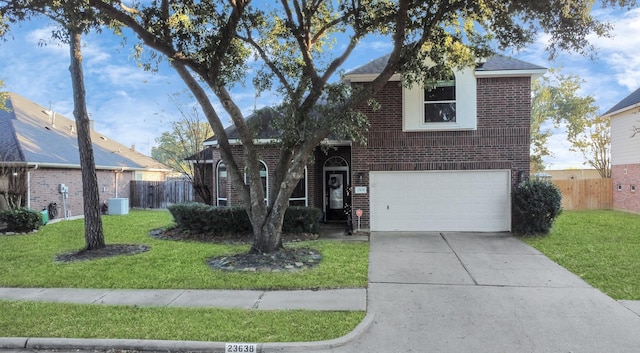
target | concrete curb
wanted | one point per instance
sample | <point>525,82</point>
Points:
<point>36,343</point>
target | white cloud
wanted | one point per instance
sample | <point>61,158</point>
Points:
<point>620,52</point>
<point>122,75</point>
<point>41,37</point>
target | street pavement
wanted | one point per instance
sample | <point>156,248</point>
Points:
<point>428,292</point>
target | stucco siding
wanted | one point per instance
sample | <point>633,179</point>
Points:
<point>624,148</point>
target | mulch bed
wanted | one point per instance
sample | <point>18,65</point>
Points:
<point>285,260</point>
<point>108,251</point>
<point>177,233</point>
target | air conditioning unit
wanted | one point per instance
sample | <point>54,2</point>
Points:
<point>119,206</point>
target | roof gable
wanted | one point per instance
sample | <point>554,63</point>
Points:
<point>44,137</point>
<point>260,123</point>
<point>494,64</point>
<point>628,102</point>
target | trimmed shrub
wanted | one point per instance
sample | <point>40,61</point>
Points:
<point>535,206</point>
<point>21,220</point>
<point>200,218</point>
<point>300,219</point>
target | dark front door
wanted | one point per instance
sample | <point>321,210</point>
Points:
<point>335,195</point>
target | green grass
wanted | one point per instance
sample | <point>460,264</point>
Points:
<point>602,247</point>
<point>28,260</point>
<point>34,319</point>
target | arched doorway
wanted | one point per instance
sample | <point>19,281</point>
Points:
<point>336,182</point>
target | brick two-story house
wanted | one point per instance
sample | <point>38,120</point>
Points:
<point>625,152</point>
<point>439,159</point>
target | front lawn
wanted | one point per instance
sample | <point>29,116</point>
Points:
<point>602,247</point>
<point>36,319</point>
<point>28,260</point>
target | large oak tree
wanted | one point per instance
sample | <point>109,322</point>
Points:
<point>300,45</point>
<point>295,42</point>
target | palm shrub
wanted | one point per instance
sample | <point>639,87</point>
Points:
<point>535,206</point>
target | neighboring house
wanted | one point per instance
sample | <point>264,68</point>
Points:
<point>625,152</point>
<point>42,147</point>
<point>444,159</point>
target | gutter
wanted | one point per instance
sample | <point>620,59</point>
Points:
<point>621,110</point>
<point>535,73</point>
<point>237,142</point>
<point>36,165</point>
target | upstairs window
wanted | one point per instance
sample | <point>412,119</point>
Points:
<point>440,101</point>
<point>445,105</point>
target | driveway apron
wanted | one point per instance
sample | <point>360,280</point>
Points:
<point>484,292</point>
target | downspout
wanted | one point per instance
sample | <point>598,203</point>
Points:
<point>28,188</point>
<point>115,173</point>
<point>29,185</point>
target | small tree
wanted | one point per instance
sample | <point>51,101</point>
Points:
<point>594,142</point>
<point>13,177</point>
<point>556,103</point>
<point>180,147</point>
<point>13,183</point>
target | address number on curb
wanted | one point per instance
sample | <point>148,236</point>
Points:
<point>241,348</point>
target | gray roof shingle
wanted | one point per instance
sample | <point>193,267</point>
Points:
<point>493,63</point>
<point>32,134</point>
<point>628,101</point>
<point>260,122</point>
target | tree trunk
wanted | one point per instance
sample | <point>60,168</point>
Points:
<point>93,232</point>
<point>267,232</point>
<point>267,226</point>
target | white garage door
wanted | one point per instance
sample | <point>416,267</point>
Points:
<point>441,201</point>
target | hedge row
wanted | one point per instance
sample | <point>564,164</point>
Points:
<point>201,218</point>
<point>21,220</point>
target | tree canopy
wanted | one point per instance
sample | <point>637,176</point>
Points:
<point>299,45</point>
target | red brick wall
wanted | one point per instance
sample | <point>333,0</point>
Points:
<point>45,186</point>
<point>270,156</point>
<point>626,176</point>
<point>501,140</point>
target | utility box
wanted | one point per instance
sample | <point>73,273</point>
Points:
<point>45,216</point>
<point>119,206</point>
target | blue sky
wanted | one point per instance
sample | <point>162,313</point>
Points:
<point>133,106</point>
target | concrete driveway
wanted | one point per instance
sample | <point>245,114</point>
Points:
<point>482,292</point>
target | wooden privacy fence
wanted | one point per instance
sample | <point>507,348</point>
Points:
<point>586,194</point>
<point>160,194</point>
